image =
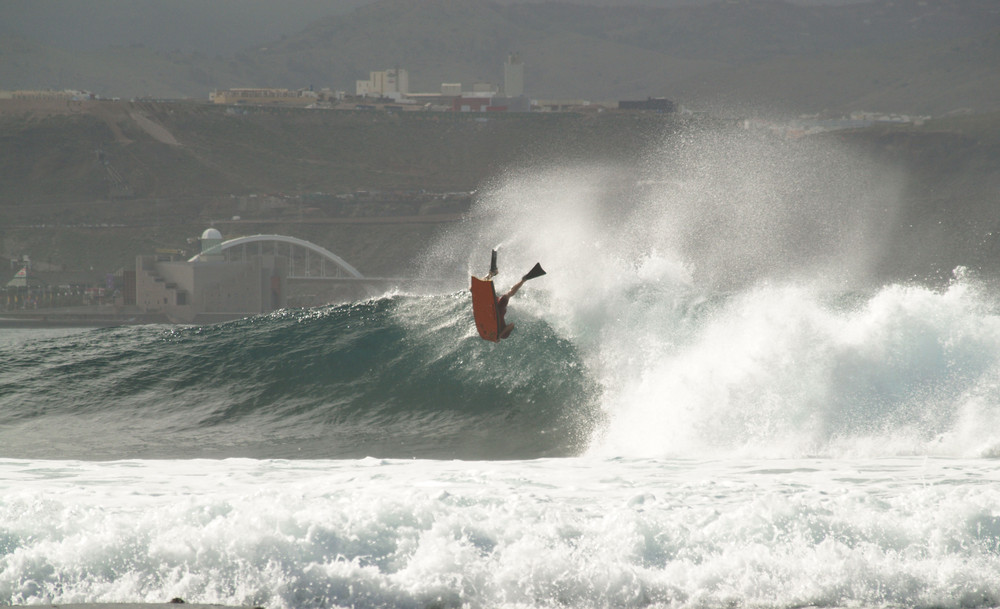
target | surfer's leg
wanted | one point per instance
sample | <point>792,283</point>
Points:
<point>514,289</point>
<point>507,330</point>
<point>502,310</point>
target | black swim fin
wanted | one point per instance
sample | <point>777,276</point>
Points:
<point>493,264</point>
<point>536,271</point>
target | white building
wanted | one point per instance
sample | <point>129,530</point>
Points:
<point>513,76</point>
<point>235,278</point>
<point>393,83</point>
<point>210,287</point>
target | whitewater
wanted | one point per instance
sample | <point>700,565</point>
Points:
<point>718,396</point>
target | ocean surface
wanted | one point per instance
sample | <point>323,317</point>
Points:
<point>707,402</point>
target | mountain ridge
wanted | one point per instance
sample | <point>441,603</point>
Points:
<point>914,56</point>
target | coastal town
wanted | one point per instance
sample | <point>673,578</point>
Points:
<point>389,90</point>
<point>111,296</point>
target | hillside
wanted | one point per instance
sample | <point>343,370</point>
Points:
<point>949,216</point>
<point>913,56</point>
<point>156,174</point>
<point>94,184</point>
<point>205,150</point>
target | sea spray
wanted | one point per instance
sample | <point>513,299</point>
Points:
<point>730,207</point>
<point>727,297</point>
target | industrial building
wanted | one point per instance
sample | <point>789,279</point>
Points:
<point>393,83</point>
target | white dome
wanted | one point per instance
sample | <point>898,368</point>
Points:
<point>211,233</point>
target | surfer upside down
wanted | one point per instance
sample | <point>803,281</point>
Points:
<point>488,310</point>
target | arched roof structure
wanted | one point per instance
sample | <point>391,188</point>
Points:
<point>323,252</point>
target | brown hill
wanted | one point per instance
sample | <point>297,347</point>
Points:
<point>91,185</point>
<point>156,174</point>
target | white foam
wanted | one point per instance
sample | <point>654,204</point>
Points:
<point>577,532</point>
<point>779,371</point>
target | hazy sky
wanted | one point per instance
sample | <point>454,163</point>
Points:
<point>208,26</point>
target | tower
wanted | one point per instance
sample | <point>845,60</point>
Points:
<point>513,76</point>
